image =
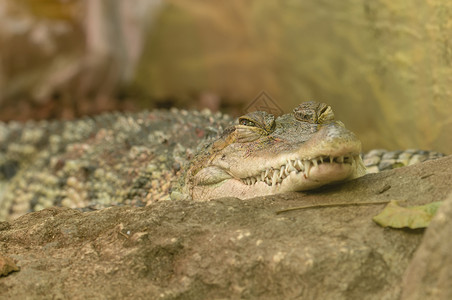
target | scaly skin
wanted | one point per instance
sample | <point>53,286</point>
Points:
<point>139,158</point>
<point>262,155</point>
<point>93,163</point>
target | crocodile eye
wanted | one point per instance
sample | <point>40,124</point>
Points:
<point>314,113</point>
<point>323,110</point>
<point>247,122</point>
<point>258,120</point>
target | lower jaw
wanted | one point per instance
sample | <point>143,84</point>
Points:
<point>296,182</point>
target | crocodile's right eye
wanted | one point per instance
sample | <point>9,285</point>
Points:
<point>258,120</point>
<point>247,122</point>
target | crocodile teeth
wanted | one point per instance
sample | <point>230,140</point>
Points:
<point>291,168</point>
<point>314,161</point>
<point>281,171</point>
<point>287,171</point>
<point>300,165</point>
<point>290,165</point>
<point>273,176</point>
<point>307,167</point>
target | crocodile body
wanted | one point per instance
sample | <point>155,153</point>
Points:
<point>139,158</point>
<point>111,159</point>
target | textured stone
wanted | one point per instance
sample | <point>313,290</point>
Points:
<point>429,274</point>
<point>7,265</point>
<point>227,248</point>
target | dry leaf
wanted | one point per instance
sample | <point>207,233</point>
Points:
<point>412,217</point>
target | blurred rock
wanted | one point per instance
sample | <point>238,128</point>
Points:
<point>63,59</point>
<point>385,67</point>
<point>429,274</point>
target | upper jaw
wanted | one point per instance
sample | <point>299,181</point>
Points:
<point>276,175</point>
<point>331,142</point>
<point>303,160</point>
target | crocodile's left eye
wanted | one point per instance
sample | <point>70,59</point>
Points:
<point>314,113</point>
<point>246,122</point>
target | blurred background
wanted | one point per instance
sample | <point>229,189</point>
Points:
<point>385,66</point>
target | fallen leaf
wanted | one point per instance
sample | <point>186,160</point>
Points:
<point>412,217</point>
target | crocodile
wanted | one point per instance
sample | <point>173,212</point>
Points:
<point>264,155</point>
<point>139,158</point>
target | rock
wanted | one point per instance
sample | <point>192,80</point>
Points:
<point>429,275</point>
<point>7,265</point>
<point>226,248</point>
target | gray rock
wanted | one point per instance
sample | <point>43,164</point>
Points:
<point>227,248</point>
<point>429,275</point>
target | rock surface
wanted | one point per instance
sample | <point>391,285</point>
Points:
<point>7,265</point>
<point>225,248</point>
<point>429,275</point>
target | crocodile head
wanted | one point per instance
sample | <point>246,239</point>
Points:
<point>263,155</point>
